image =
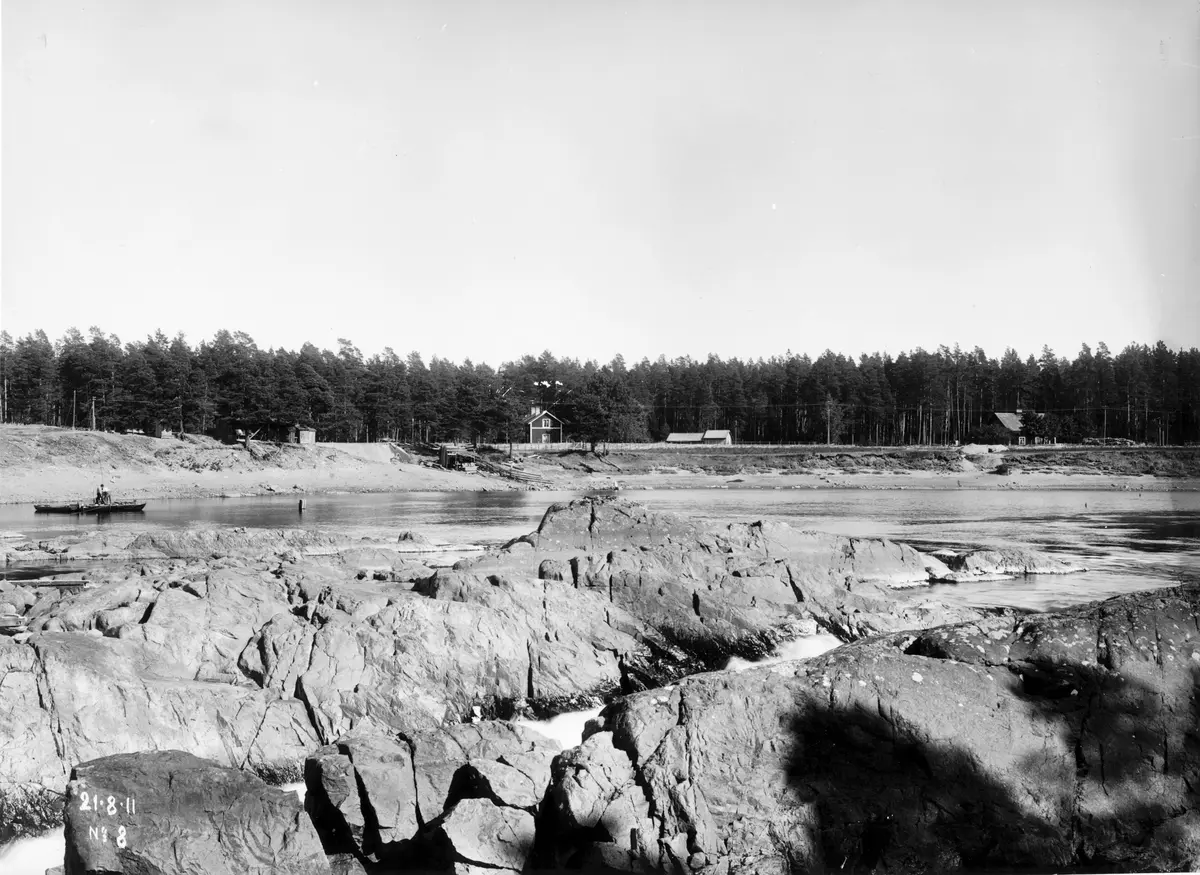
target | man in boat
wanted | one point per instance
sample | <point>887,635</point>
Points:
<point>102,496</point>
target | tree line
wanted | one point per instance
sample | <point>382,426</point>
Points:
<point>1143,393</point>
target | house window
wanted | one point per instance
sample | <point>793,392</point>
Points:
<point>545,423</point>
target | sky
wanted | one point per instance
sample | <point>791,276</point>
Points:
<point>486,180</point>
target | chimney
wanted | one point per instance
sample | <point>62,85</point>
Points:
<point>534,410</point>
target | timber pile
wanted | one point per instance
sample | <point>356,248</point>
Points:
<point>509,471</point>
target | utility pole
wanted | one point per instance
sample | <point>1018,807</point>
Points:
<point>74,392</point>
<point>93,414</point>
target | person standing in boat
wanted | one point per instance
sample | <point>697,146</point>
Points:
<point>102,496</point>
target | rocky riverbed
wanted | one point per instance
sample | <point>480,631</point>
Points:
<point>388,685</point>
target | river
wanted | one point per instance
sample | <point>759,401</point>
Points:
<point>1128,541</point>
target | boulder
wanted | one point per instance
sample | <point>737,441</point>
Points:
<point>81,609</point>
<point>479,833</point>
<point>1013,742</point>
<point>332,799</point>
<point>462,794</point>
<point>17,599</point>
<point>414,540</point>
<point>169,811</point>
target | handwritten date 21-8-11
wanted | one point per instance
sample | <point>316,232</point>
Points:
<point>107,806</point>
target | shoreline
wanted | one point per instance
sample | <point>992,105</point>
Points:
<point>40,464</point>
<point>45,486</point>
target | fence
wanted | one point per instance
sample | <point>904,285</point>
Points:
<point>658,445</point>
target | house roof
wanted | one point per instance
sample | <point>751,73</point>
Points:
<point>716,433</point>
<point>1011,421</point>
<point>534,416</point>
<point>679,437</point>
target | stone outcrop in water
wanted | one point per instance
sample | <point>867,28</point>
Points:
<point>451,796</point>
<point>724,590</point>
<point>256,664</point>
<point>999,564</point>
<point>1047,741</point>
<point>168,811</point>
<point>257,657</point>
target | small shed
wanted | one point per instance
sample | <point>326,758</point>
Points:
<point>717,436</point>
<point>301,435</point>
<point>544,427</point>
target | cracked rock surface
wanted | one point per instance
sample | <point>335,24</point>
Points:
<point>459,795</point>
<point>255,648</point>
<point>1055,740</point>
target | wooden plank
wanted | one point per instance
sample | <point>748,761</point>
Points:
<point>46,581</point>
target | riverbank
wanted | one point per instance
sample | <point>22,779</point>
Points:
<point>968,467</point>
<point>884,480</point>
<point>41,464</point>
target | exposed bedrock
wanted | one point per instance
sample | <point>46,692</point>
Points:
<point>1046,741</point>
<point>724,590</point>
<point>998,564</point>
<point>257,656</point>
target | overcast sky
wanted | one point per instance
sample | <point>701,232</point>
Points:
<point>486,180</point>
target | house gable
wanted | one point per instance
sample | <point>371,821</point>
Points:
<point>529,420</point>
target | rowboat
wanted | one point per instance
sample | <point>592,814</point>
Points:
<point>76,507</point>
<point>80,507</point>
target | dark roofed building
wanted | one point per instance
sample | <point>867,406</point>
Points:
<point>1014,424</point>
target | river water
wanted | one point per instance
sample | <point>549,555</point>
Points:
<point>1127,540</point>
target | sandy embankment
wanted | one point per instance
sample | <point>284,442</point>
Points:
<point>968,467</point>
<point>43,464</point>
<point>900,480</point>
